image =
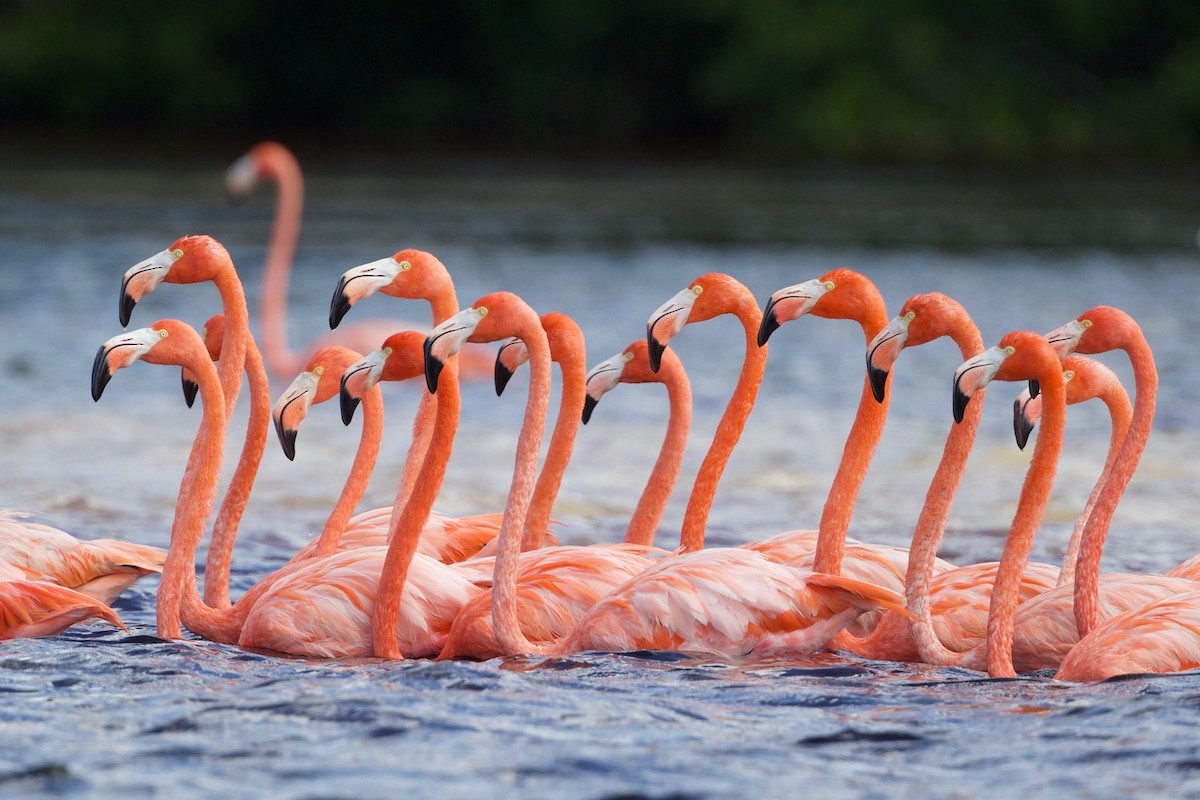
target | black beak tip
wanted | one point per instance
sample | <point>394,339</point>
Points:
<point>1035,388</point>
<point>433,367</point>
<point>100,374</point>
<point>125,310</point>
<point>589,405</point>
<point>655,350</point>
<point>960,403</point>
<point>348,404</point>
<point>878,379</point>
<point>338,305</point>
<point>190,390</point>
<point>1022,427</point>
<point>287,439</point>
<point>503,376</point>
<point>769,324</point>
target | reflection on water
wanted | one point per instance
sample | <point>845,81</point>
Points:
<point>606,248</point>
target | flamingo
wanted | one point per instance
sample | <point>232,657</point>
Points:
<point>317,607</point>
<point>98,568</point>
<point>1160,636</point>
<point>31,608</point>
<point>195,259</point>
<point>536,596</point>
<point>273,161</point>
<point>633,366</point>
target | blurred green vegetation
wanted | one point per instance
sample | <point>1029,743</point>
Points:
<point>846,79</point>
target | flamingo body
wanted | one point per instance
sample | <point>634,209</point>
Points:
<point>1163,636</point>
<point>30,608</point>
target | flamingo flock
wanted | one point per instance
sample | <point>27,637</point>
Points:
<point>406,582</point>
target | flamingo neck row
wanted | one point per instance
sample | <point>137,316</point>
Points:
<point>644,523</point>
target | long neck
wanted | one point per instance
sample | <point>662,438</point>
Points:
<point>644,523</point>
<point>1087,590</point>
<point>729,429</point>
<point>407,520</point>
<point>360,474</point>
<point>931,524</point>
<point>1121,414</point>
<point>1035,495</point>
<point>443,304</point>
<point>562,442</point>
<point>856,458</point>
<point>178,599</point>
<point>237,334</point>
<point>284,232</point>
<point>225,529</point>
<point>508,551</point>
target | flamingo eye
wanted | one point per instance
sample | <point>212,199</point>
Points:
<point>177,253</point>
<point>829,286</point>
<point>1008,351</point>
<point>481,311</point>
<point>627,357</point>
<point>405,266</point>
<point>319,371</point>
<point>1068,375</point>
<point>910,316</point>
<point>696,290</point>
<point>387,351</point>
<point>162,334</point>
<point>1087,323</point>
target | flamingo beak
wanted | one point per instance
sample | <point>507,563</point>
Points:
<point>190,387</point>
<point>788,304</point>
<point>512,351</point>
<point>118,352</point>
<point>973,375</point>
<point>601,379</point>
<point>882,353</point>
<point>358,380</point>
<point>668,320</point>
<point>143,278</point>
<point>445,340</point>
<point>359,282</point>
<point>1026,411</point>
<point>291,409</point>
<point>241,178</point>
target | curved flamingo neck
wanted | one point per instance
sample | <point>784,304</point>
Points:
<point>178,598</point>
<point>1120,412</point>
<point>1035,495</point>
<point>229,517</point>
<point>279,164</point>
<point>864,436</point>
<point>1145,379</point>
<point>407,521</point>
<point>729,429</point>
<point>505,620</point>
<point>360,474</point>
<point>644,523</point>
<point>237,332</point>
<point>569,352</point>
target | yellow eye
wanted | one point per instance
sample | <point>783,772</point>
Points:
<point>1068,375</point>
<point>162,334</point>
<point>1087,323</point>
<point>405,266</point>
<point>177,253</point>
<point>387,351</point>
<point>696,290</point>
<point>627,356</point>
<point>319,371</point>
<point>481,311</point>
<point>1008,351</point>
<point>829,286</point>
<point>910,316</point>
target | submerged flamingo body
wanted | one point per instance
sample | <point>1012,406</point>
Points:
<point>37,608</point>
<point>1159,637</point>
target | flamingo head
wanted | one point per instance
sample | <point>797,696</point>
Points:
<point>1084,378</point>
<point>165,342</point>
<point>512,354</point>
<point>191,259</point>
<point>923,318</point>
<point>320,380</point>
<point>494,316</point>
<point>706,297</point>
<point>399,358</point>
<point>213,334</point>
<point>242,176</point>
<point>1020,355</point>
<point>630,366</point>
<point>408,274</point>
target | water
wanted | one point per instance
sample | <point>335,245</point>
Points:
<point>94,713</point>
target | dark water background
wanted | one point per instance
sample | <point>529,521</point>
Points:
<point>94,713</point>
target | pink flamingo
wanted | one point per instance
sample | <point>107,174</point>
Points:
<point>1160,636</point>
<point>541,593</point>
<point>633,366</point>
<point>320,606</point>
<point>31,608</point>
<point>98,568</point>
<point>196,259</point>
<point>273,161</point>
